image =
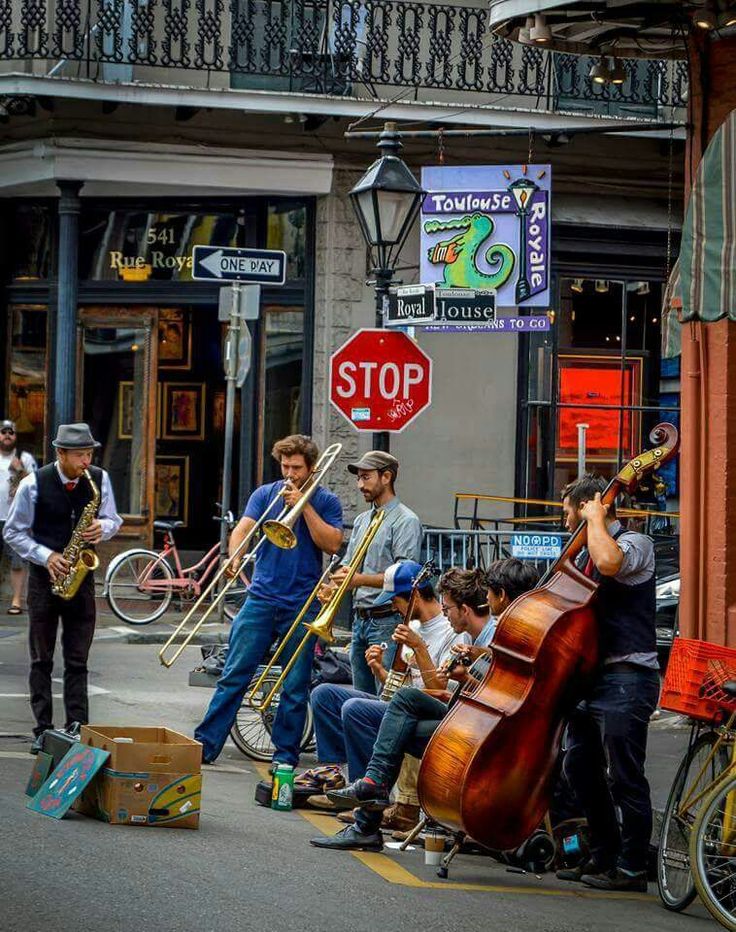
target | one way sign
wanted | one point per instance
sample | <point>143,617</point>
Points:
<point>224,264</point>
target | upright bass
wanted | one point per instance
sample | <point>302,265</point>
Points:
<point>489,766</point>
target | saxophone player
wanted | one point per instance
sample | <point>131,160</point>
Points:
<point>49,508</point>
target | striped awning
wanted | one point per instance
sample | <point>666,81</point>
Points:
<point>702,285</point>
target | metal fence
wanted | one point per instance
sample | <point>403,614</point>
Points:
<point>468,549</point>
<point>325,46</point>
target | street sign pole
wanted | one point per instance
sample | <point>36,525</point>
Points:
<point>231,373</point>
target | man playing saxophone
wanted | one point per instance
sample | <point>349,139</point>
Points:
<point>52,508</point>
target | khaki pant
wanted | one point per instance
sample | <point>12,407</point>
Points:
<point>406,783</point>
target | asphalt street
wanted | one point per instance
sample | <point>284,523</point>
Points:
<point>248,867</point>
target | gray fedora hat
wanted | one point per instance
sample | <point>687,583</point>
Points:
<point>74,437</point>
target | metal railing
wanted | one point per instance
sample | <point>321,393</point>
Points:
<point>468,549</point>
<point>325,46</point>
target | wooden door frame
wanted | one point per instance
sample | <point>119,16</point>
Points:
<point>140,525</point>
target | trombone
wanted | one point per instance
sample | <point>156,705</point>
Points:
<point>231,568</point>
<point>322,624</point>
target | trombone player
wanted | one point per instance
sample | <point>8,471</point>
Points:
<point>282,581</point>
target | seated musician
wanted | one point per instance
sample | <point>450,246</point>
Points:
<point>413,714</point>
<point>345,719</point>
<point>607,735</point>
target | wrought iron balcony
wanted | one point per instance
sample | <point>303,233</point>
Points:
<point>362,48</point>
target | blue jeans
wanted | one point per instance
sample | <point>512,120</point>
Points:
<point>366,633</point>
<point>606,749</point>
<point>346,723</point>
<point>258,624</point>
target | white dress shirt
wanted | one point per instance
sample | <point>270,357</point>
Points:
<point>28,463</point>
<point>18,530</point>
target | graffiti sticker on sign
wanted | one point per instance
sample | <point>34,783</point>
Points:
<point>488,227</point>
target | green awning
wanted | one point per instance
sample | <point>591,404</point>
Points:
<point>702,285</point>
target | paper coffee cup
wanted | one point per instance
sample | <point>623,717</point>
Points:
<point>434,848</point>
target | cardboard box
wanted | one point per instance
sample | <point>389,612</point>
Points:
<point>153,779</point>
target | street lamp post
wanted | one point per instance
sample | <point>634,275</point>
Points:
<point>386,201</point>
<point>523,190</point>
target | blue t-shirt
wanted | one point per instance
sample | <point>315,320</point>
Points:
<point>287,577</point>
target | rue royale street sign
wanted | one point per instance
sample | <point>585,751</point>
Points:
<point>454,310</point>
<point>227,264</point>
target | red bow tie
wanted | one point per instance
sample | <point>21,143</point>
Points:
<point>70,486</point>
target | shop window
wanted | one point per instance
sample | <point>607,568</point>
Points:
<point>141,246</point>
<point>286,229</point>
<point>30,245</point>
<point>281,380</point>
<point>595,386</point>
<point>27,375</point>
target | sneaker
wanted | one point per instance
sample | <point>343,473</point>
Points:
<point>368,796</point>
<point>349,839</point>
<point>617,880</point>
<point>400,817</point>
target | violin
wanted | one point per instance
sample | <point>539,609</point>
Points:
<point>489,767</point>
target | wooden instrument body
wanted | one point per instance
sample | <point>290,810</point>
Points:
<point>488,768</point>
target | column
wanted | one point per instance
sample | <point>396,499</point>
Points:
<point>65,346</point>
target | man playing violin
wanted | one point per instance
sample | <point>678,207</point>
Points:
<point>607,734</point>
<point>282,581</point>
<point>472,601</point>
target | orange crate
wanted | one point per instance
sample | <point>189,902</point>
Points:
<point>694,672</point>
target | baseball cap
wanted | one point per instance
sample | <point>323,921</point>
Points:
<point>397,580</point>
<point>375,459</point>
<point>7,425</point>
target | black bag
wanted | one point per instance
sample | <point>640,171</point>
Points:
<point>331,666</point>
<point>299,797</point>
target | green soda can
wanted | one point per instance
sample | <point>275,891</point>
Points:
<point>283,787</point>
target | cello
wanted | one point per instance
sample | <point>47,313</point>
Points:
<point>489,767</point>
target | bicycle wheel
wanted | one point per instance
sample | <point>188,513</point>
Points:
<point>236,596</point>
<point>251,732</point>
<point>138,589</point>
<point>674,877</point>
<point>713,852</point>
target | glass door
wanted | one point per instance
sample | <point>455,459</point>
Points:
<point>117,398</point>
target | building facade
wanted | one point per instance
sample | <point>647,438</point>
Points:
<point>128,138</point>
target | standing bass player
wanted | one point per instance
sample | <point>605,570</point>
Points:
<point>282,581</point>
<point>50,508</point>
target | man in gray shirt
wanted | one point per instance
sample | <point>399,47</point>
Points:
<point>398,538</point>
<point>607,734</point>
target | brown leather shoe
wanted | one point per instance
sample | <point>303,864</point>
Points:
<point>400,817</point>
<point>347,817</point>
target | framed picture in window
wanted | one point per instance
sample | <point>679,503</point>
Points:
<point>174,339</point>
<point>183,410</point>
<point>603,393</point>
<point>126,398</point>
<point>171,488</point>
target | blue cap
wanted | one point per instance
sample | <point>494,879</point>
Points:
<point>398,580</point>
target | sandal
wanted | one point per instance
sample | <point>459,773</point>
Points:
<point>15,610</point>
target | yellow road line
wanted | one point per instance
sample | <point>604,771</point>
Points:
<point>396,873</point>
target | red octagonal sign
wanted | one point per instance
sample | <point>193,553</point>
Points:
<point>380,380</point>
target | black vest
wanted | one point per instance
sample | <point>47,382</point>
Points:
<point>626,614</point>
<point>58,511</point>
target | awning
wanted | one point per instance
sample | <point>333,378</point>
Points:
<point>702,285</point>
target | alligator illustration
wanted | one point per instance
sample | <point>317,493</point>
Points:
<point>460,254</point>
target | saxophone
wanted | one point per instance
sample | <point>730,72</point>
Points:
<point>81,559</point>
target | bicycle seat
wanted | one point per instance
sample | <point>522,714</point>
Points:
<point>167,525</point>
<point>729,688</point>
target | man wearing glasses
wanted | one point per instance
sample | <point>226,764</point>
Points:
<point>14,466</point>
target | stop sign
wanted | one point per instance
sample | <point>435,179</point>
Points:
<point>380,380</point>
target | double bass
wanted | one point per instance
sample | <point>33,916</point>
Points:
<point>489,767</point>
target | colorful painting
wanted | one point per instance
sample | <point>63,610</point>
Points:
<point>488,227</point>
<point>174,339</point>
<point>183,414</point>
<point>172,488</point>
<point>598,383</point>
<point>75,771</point>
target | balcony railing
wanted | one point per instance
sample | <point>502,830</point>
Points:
<point>358,47</point>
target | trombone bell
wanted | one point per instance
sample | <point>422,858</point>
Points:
<point>280,534</point>
<point>322,624</point>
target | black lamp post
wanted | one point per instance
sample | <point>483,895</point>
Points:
<point>523,189</point>
<point>386,200</point>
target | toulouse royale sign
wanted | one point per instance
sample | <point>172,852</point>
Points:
<point>487,227</point>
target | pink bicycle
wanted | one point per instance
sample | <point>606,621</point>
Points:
<point>140,584</point>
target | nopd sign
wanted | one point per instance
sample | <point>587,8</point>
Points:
<point>380,380</point>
